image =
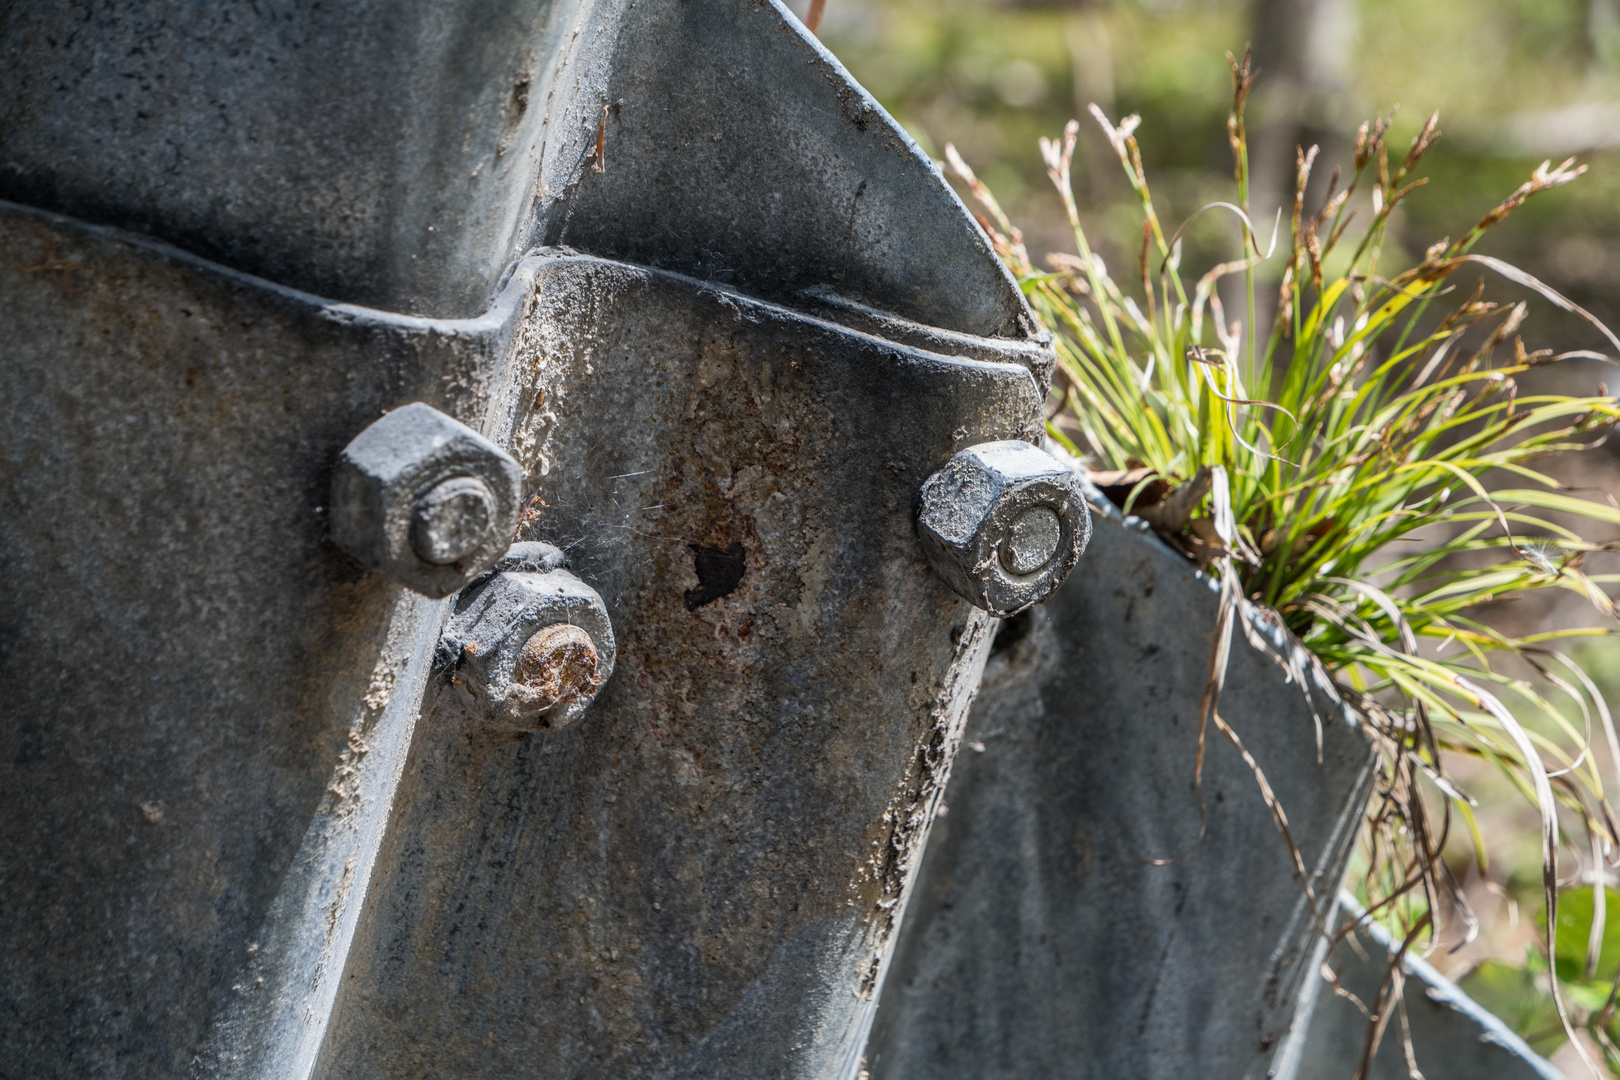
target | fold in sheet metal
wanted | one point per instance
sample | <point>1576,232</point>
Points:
<point>1041,941</point>
<point>212,706</point>
<point>1453,1037</point>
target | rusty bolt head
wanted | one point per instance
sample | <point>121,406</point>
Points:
<point>531,643</point>
<point>424,500</point>
<point>1003,523</point>
<point>557,665</point>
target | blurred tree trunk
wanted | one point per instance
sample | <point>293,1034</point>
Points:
<point>1304,49</point>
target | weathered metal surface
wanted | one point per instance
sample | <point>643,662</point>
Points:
<point>215,704</point>
<point>380,152</point>
<point>205,699</point>
<point>1453,1038</point>
<point>701,877</point>
<point>398,153</point>
<point>737,149</point>
<point>1041,940</point>
<point>788,737</point>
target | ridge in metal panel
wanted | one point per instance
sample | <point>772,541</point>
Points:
<point>206,700</point>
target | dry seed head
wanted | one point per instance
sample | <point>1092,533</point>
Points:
<point>1118,137</point>
<point>1515,318</point>
<point>1136,160</point>
<point>1543,178</point>
<point>1344,223</point>
<point>1051,153</point>
<point>1059,156</point>
<point>1402,193</point>
<point>1243,77</point>
<point>1302,177</point>
<point>1423,142</point>
<point>1073,269</point>
<point>1466,309</point>
<point>1370,138</point>
<point>1331,201</point>
<point>1303,160</point>
<point>957,167</point>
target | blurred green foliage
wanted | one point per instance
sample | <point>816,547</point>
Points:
<point>1520,993</point>
<point>992,77</point>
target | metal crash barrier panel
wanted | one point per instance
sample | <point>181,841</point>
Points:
<point>461,470</point>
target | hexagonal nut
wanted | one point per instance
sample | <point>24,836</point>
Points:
<point>425,500</point>
<point>1003,523</point>
<point>532,647</point>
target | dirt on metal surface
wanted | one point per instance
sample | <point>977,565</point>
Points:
<point>701,876</point>
<point>167,433</point>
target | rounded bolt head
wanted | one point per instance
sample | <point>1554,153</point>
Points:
<point>558,664</point>
<point>531,644</point>
<point>1003,524</point>
<point>452,520</point>
<point>425,500</point>
<point>1032,540</point>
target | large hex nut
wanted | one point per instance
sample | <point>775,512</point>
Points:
<point>425,500</point>
<point>532,644</point>
<point>1003,523</point>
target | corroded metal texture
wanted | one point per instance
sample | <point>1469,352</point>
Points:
<point>702,876</point>
<point>559,665</point>
<point>531,645</point>
<point>1042,940</point>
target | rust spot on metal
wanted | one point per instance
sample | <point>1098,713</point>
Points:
<point>558,664</point>
<point>719,572</point>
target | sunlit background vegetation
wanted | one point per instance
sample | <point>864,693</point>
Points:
<point>1514,81</point>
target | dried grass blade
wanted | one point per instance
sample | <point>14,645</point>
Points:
<point>1519,277</point>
